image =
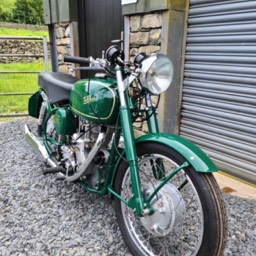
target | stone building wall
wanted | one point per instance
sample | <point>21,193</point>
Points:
<point>63,41</point>
<point>145,36</point>
<point>145,33</point>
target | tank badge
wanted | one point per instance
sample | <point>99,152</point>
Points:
<point>89,99</point>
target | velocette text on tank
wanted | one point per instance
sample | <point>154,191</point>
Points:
<point>89,99</point>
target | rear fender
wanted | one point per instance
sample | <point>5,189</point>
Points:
<point>34,104</point>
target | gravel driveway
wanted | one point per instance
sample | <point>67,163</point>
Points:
<point>41,216</point>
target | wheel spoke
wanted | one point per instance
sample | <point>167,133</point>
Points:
<point>176,239</point>
<point>183,185</point>
<point>177,225</point>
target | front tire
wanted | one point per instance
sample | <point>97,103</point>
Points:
<point>191,219</point>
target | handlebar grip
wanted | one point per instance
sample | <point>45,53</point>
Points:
<point>77,60</point>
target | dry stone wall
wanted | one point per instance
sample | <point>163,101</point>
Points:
<point>13,46</point>
<point>21,26</point>
<point>145,33</point>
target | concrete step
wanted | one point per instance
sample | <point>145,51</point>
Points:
<point>231,185</point>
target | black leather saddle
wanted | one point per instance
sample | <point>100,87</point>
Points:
<point>56,85</point>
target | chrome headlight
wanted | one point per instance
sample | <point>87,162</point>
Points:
<point>156,73</point>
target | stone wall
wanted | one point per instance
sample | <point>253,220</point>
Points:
<point>145,33</point>
<point>15,46</point>
<point>22,26</point>
<point>30,47</point>
<point>63,41</point>
<point>145,36</point>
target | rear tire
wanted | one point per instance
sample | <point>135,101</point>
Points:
<point>199,220</point>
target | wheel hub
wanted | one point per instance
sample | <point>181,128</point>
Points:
<point>169,210</point>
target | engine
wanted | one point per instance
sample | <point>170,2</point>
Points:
<point>76,137</point>
<point>77,147</point>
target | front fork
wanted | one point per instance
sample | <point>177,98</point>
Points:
<point>136,202</point>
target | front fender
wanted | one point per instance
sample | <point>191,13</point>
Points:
<point>193,154</point>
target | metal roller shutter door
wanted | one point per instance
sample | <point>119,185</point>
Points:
<point>219,89</point>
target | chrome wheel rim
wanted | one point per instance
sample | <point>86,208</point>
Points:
<point>185,236</point>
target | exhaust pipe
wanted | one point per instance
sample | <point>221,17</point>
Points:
<point>38,146</point>
<point>95,149</point>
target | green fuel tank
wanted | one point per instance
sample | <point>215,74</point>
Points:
<point>95,100</point>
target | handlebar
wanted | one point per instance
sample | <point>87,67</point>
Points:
<point>114,56</point>
<point>77,60</point>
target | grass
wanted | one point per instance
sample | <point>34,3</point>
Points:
<point>21,83</point>
<point>22,32</point>
<point>35,66</point>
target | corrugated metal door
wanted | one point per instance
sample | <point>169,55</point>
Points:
<point>219,90</point>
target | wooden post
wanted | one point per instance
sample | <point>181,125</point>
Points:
<point>75,45</point>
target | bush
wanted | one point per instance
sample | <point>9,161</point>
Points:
<point>25,11</point>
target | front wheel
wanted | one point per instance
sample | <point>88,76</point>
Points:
<point>189,213</point>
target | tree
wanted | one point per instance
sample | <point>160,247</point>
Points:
<point>4,16</point>
<point>37,11</point>
<point>21,12</point>
<point>28,12</point>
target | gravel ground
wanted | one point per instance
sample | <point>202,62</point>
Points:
<point>42,216</point>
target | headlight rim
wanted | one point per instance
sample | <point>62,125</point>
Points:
<point>145,67</point>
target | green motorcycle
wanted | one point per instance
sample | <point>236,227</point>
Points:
<point>166,199</point>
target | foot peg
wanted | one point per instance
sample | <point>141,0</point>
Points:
<point>52,170</point>
<point>60,176</point>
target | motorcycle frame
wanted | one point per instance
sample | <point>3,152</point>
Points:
<point>136,202</point>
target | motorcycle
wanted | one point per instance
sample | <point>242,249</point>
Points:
<point>166,199</point>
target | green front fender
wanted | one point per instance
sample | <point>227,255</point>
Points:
<point>193,154</point>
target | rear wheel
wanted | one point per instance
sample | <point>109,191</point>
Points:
<point>189,213</point>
